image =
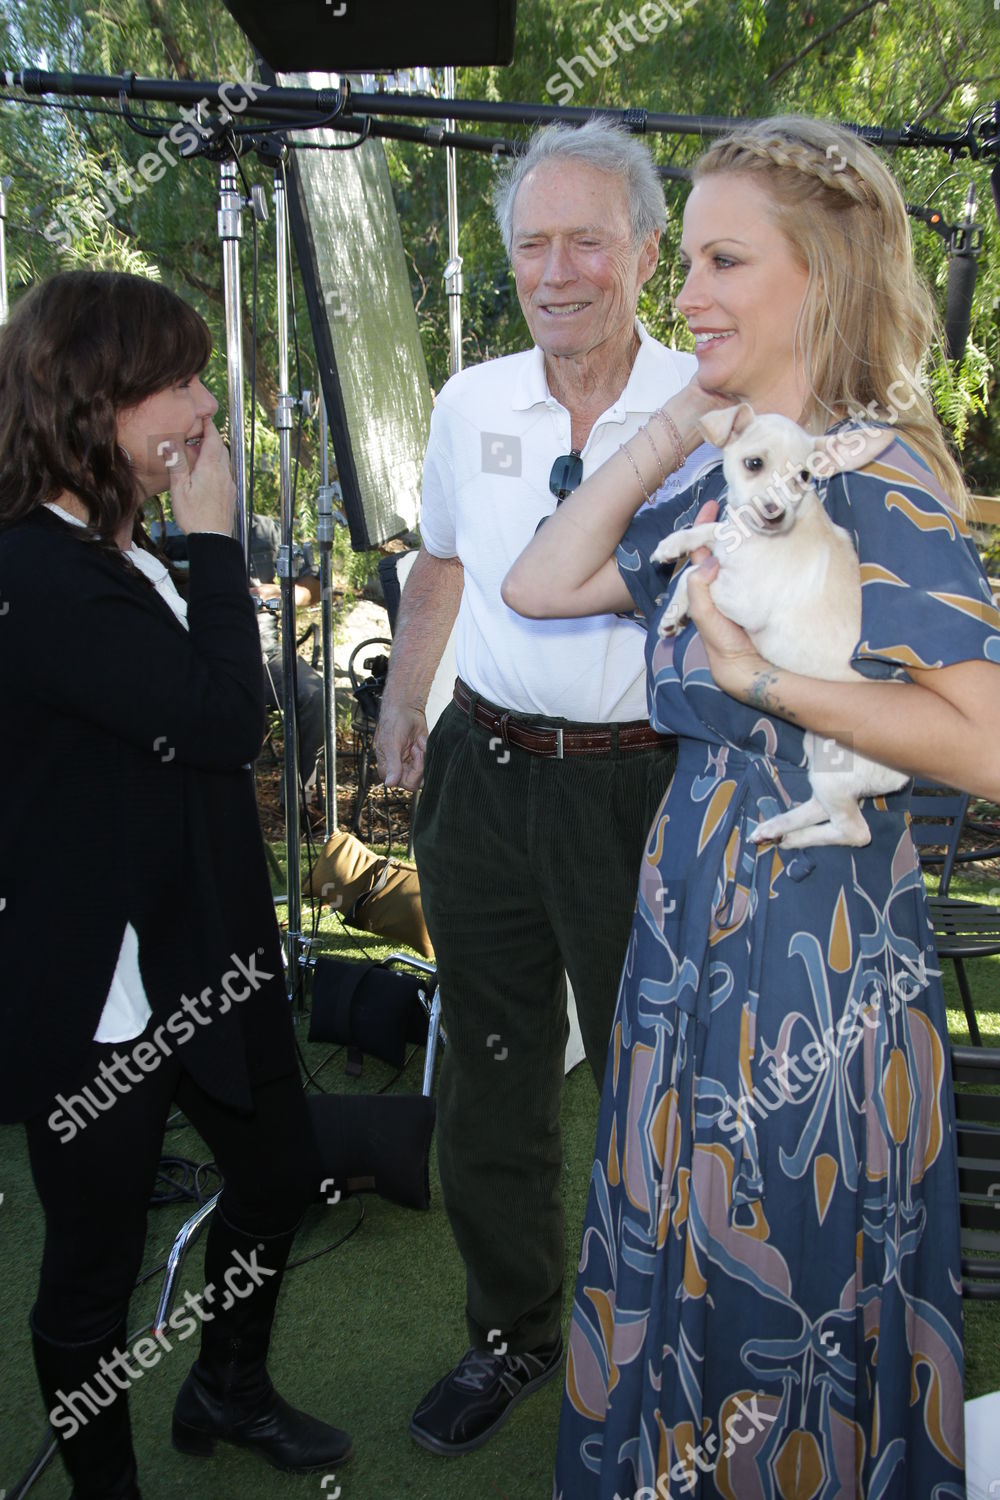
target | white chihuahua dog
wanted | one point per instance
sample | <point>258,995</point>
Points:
<point>791,578</point>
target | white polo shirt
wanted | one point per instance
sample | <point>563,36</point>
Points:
<point>495,431</point>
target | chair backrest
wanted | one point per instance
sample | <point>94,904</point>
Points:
<point>976,1076</point>
<point>392,586</point>
<point>936,817</point>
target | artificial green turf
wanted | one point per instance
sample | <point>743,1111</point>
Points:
<point>361,1333</point>
<point>364,1331</point>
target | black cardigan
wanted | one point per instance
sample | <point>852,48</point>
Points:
<point>125,796</point>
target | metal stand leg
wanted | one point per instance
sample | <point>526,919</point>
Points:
<point>435,1031</point>
<point>967,1005</point>
<point>187,1233</point>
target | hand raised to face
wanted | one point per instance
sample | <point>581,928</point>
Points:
<point>204,496</point>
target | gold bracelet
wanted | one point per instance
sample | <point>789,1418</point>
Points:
<point>673,432</point>
<point>659,461</point>
<point>622,449</point>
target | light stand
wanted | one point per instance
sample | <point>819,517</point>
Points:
<point>453,280</point>
<point>295,945</point>
<point>230,220</point>
<point>324,537</point>
<point>231,204</point>
<point>5,183</point>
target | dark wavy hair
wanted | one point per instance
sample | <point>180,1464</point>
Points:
<point>79,349</point>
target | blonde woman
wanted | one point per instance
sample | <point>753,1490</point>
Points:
<point>768,1301</point>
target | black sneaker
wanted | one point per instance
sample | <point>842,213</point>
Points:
<point>467,1407</point>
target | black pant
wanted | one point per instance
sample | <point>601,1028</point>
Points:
<point>95,1188</point>
<point>527,866</point>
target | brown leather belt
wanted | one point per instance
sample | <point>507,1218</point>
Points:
<point>557,743</point>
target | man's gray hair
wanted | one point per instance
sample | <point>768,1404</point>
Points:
<point>598,144</point>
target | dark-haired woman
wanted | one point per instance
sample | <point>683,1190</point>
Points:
<point>130,719</point>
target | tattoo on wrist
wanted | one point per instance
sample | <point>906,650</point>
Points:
<point>761,694</point>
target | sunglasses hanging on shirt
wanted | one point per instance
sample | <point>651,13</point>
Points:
<point>566,475</point>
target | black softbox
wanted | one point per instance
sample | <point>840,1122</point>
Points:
<point>359,36</point>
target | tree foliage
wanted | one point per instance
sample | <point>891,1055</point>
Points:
<point>66,163</point>
<point>867,63</point>
<point>871,63</point>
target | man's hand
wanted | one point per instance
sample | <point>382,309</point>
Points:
<point>266,591</point>
<point>400,742</point>
<point>204,496</point>
<point>427,612</point>
<point>303,595</point>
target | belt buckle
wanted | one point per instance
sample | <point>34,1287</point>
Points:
<point>559,744</point>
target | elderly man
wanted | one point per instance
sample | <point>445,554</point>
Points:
<point>543,775</point>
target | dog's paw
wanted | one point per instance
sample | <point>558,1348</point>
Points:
<point>672,623</point>
<point>771,831</point>
<point>669,550</point>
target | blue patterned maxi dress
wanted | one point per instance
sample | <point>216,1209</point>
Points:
<point>768,1298</point>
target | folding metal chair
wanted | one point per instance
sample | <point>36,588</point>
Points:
<point>183,1240</point>
<point>974,1070</point>
<point>962,929</point>
<point>432,1005</point>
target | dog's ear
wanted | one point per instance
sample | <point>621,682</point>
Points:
<point>745,414</point>
<point>720,427</point>
<point>854,448</point>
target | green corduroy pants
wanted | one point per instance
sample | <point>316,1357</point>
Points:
<point>528,871</point>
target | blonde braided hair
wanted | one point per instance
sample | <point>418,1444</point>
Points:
<point>867,320</point>
<point>833,169</point>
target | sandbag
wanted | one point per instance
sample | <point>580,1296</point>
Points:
<point>368,1006</point>
<point>377,1143</point>
<point>372,893</point>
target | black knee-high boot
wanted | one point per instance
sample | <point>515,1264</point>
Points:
<point>228,1395</point>
<point>88,1410</point>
